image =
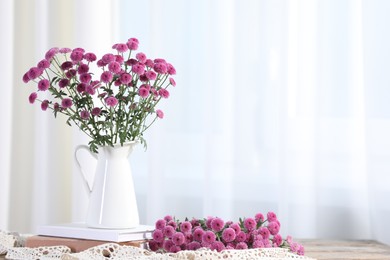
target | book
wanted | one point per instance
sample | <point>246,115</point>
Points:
<point>81,231</point>
<point>76,245</point>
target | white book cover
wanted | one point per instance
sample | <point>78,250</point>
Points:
<point>81,231</point>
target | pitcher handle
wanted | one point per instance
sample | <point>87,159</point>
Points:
<point>79,147</point>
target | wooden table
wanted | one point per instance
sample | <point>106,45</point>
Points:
<point>347,250</point>
<point>342,249</point>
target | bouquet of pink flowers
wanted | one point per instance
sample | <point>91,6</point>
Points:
<point>172,235</point>
<point>116,107</point>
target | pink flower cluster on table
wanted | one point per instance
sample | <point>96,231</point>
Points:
<point>111,106</point>
<point>172,235</point>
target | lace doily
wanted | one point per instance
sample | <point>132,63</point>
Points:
<point>6,241</point>
<point>114,251</point>
<point>10,245</point>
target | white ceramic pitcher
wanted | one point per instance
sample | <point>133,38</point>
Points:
<point>112,203</point>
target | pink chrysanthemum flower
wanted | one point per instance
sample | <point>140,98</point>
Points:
<point>267,243</point>
<point>66,103</point>
<point>170,69</point>
<point>208,221</point>
<point>90,90</point>
<point>133,40</point>
<point>172,81</point>
<point>90,57</point>
<point>217,245</point>
<point>277,240</point>
<point>160,224</point>
<point>271,216</point>
<point>198,234</point>
<point>83,68</point>
<point>188,237</point>
<point>70,73</point>
<point>96,111</point>
<point>159,60</point>
<point>229,246</point>
<point>258,244</point>
<point>84,114</point>
<point>32,97</point>
<point>273,228</point>
<point>76,55</point>
<point>141,57</point>
<point>153,245</point>
<point>79,50</point>
<point>155,94</point>
<point>241,245</point>
<point>249,224</point>
<point>43,64</point>
<point>143,92</point>
<point>185,226</point>
<point>217,224</point>
<point>259,217</point>
<point>114,67</point>
<point>294,247</point>
<point>240,236</point>
<point>143,78</point>
<point>147,86</point>
<point>138,68</point>
<point>63,83</point>
<point>228,235</point>
<point>169,231</point>
<point>64,50</point>
<point>150,75</point>
<point>119,59</point>
<point>106,76</point>
<point>208,237</point>
<point>160,67</point>
<point>120,47</point>
<point>194,245</point>
<point>44,105</point>
<point>51,53</point>
<point>158,235</point>
<point>111,101</point>
<point>81,87</point>
<point>301,250</point>
<point>109,57</point>
<point>125,78</point>
<point>132,43</point>
<point>178,238</point>
<point>174,249</point>
<point>163,93</point>
<point>34,73</point>
<point>195,222</point>
<point>26,78</point>
<point>167,244</point>
<point>101,63</point>
<point>236,227</point>
<point>131,62</point>
<point>160,113</point>
<point>43,84</point>
<point>149,63</point>
<point>66,65</point>
<point>264,232</point>
<point>172,223</point>
<point>85,78</point>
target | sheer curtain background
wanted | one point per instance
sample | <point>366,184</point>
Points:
<point>280,106</point>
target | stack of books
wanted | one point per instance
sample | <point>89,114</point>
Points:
<point>78,237</point>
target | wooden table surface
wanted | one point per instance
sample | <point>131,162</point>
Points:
<point>342,249</point>
<point>348,250</point>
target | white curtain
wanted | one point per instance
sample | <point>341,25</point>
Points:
<point>280,106</point>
